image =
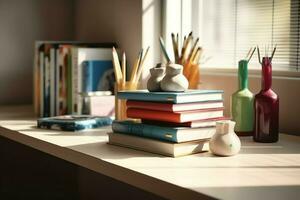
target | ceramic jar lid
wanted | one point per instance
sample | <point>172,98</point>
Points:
<point>225,126</point>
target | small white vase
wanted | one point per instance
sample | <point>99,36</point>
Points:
<point>156,75</point>
<point>225,142</point>
<point>174,80</point>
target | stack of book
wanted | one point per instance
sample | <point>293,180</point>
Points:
<point>64,69</point>
<point>171,124</point>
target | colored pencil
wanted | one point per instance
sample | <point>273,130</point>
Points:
<point>124,68</point>
<point>258,54</point>
<point>251,54</point>
<point>183,48</point>
<point>194,49</point>
<point>198,55</point>
<point>273,52</point>
<point>175,48</point>
<point>142,65</point>
<point>117,68</point>
<point>135,68</point>
<point>163,48</point>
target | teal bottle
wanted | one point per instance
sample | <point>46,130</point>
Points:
<point>242,109</point>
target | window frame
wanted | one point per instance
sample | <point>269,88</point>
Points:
<point>226,70</point>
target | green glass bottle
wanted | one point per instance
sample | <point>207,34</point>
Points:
<point>242,103</point>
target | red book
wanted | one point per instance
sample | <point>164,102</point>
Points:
<point>177,117</point>
<point>173,107</point>
<point>193,124</point>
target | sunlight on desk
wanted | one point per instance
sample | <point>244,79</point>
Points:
<point>269,166</point>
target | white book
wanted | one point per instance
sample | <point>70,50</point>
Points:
<point>158,147</point>
<point>79,55</point>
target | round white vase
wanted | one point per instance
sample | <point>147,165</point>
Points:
<point>174,80</point>
<point>156,75</point>
<point>225,142</point>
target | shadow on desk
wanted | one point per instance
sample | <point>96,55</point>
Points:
<point>26,173</point>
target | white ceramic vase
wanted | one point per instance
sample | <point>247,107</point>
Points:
<point>225,142</point>
<point>156,75</point>
<point>174,80</point>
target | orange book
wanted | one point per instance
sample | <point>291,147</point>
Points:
<point>178,117</point>
<point>174,107</point>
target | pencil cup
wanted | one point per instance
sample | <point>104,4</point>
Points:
<point>120,104</point>
<point>192,72</point>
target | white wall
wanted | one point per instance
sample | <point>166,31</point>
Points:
<point>111,20</point>
<point>22,22</point>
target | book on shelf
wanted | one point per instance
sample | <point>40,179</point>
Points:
<point>46,76</point>
<point>192,124</point>
<point>163,133</point>
<point>173,107</point>
<point>73,122</point>
<point>177,117</point>
<point>98,75</point>
<point>63,72</point>
<point>39,62</point>
<point>54,74</point>
<point>173,97</point>
<point>79,56</point>
<point>158,147</point>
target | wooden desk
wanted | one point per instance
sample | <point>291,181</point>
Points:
<point>260,171</point>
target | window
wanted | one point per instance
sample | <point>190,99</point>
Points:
<point>227,29</point>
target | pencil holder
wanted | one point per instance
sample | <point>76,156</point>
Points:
<point>120,104</point>
<point>192,72</point>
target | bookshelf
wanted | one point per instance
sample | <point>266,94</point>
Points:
<point>260,171</point>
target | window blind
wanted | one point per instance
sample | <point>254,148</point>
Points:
<point>229,28</point>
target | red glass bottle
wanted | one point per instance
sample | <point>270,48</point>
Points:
<point>266,104</point>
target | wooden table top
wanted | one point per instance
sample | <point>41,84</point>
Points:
<point>259,171</point>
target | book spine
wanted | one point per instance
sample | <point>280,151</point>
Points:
<point>149,105</point>
<point>74,55</point>
<point>52,82</point>
<point>137,113</point>
<point>148,131</point>
<point>146,97</point>
<point>79,82</point>
<point>47,87</point>
<point>63,83</point>
<point>69,83</point>
<point>36,76</point>
<point>42,83</point>
<point>57,82</point>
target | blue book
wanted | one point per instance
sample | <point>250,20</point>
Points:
<point>172,97</point>
<point>73,122</point>
<point>163,133</point>
<point>98,75</point>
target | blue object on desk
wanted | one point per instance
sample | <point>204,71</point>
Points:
<point>73,122</point>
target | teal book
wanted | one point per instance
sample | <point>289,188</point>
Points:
<point>170,134</point>
<point>172,97</point>
<point>73,122</point>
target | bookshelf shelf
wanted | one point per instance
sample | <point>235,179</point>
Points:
<point>260,171</point>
